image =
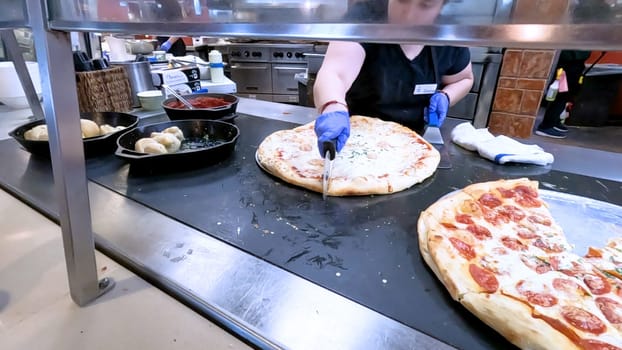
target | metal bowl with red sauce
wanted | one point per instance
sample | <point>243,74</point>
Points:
<point>206,106</point>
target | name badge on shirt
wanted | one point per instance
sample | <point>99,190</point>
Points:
<point>425,89</point>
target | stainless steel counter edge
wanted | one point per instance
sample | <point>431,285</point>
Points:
<point>277,309</point>
<point>596,36</point>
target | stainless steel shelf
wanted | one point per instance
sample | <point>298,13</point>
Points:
<point>13,24</point>
<point>534,36</point>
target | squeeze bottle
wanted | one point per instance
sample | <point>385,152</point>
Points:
<point>216,66</point>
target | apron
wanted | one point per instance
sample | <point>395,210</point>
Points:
<point>385,87</point>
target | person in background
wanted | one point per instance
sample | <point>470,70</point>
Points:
<point>390,81</point>
<point>573,63</point>
<point>172,44</point>
<point>165,11</point>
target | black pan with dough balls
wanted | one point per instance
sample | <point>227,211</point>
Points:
<point>206,142</point>
<point>93,146</point>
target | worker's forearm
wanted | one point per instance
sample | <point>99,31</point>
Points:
<point>458,89</point>
<point>329,87</point>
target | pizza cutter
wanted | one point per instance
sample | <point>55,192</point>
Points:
<point>329,156</point>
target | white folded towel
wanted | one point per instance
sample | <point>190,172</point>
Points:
<point>503,149</point>
<point>500,149</point>
<point>466,136</point>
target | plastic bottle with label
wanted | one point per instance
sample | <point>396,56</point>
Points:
<point>216,66</point>
<point>551,93</point>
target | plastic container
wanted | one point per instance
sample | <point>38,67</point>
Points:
<point>159,55</point>
<point>217,70</point>
<point>151,100</point>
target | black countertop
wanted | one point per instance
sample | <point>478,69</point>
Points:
<point>364,248</point>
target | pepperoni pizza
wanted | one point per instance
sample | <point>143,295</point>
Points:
<point>380,157</point>
<point>499,252</point>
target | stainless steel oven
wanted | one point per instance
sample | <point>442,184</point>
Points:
<point>284,86</point>
<point>252,77</point>
<point>266,71</point>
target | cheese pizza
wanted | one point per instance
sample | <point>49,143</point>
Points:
<point>380,157</point>
<point>498,251</point>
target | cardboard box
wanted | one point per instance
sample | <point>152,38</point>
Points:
<point>175,76</point>
<point>184,88</point>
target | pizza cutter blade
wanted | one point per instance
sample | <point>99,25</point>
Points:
<point>329,155</point>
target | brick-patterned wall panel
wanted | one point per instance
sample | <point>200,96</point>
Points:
<point>521,85</point>
<point>510,124</point>
<point>539,11</point>
<point>536,64</point>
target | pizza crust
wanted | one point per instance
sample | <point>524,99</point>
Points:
<point>380,157</point>
<point>513,320</point>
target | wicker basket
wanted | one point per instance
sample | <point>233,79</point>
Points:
<point>106,90</point>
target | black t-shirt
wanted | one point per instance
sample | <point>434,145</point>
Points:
<point>384,88</point>
<point>386,83</point>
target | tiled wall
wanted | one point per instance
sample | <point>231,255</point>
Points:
<point>524,73</point>
<point>522,82</point>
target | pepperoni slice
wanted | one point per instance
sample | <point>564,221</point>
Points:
<point>494,218</point>
<point>538,219</point>
<point>463,248</point>
<point>526,233</point>
<point>611,309</point>
<point>511,212</point>
<point>527,197</point>
<point>597,284</point>
<point>591,344</point>
<point>593,253</point>
<point>464,219</point>
<point>569,287</point>
<point>489,200</point>
<point>513,243</point>
<point>448,225</point>
<point>535,298</point>
<point>479,232</point>
<point>548,246</point>
<point>583,320</point>
<point>536,264</point>
<point>484,278</point>
<point>505,193</point>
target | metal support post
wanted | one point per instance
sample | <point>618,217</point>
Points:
<point>67,152</point>
<point>13,52</point>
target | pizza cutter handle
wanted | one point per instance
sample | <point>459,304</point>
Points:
<point>330,147</point>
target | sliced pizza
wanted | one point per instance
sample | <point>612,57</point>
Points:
<point>380,157</point>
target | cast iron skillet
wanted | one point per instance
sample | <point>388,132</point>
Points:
<point>201,113</point>
<point>206,142</point>
<point>93,146</point>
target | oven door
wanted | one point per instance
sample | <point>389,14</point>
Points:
<point>252,78</point>
<point>283,81</point>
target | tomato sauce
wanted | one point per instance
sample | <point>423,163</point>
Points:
<point>200,102</point>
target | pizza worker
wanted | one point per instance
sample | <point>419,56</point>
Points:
<point>390,81</point>
<point>169,11</point>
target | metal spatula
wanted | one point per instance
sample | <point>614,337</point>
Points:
<point>433,135</point>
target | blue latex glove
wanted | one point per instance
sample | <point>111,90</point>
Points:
<point>166,46</point>
<point>437,111</point>
<point>332,126</point>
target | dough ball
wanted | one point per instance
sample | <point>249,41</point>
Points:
<point>169,141</point>
<point>38,133</point>
<point>175,131</point>
<point>149,145</point>
<point>107,129</point>
<point>89,128</point>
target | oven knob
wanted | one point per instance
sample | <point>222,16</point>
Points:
<point>299,54</point>
<point>246,53</point>
<point>256,54</point>
<point>289,55</point>
<point>235,53</point>
<point>276,55</point>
